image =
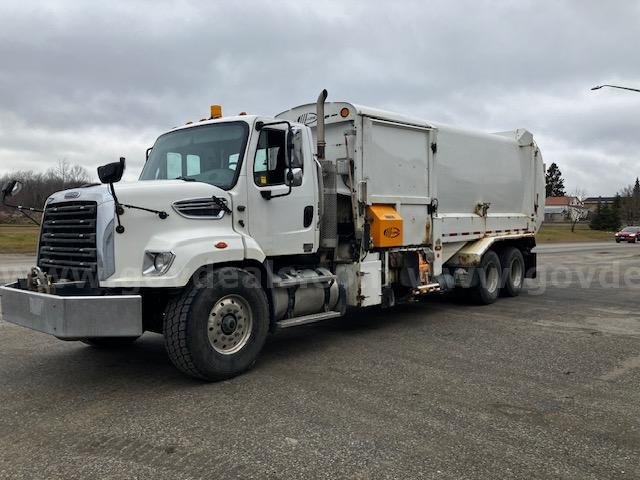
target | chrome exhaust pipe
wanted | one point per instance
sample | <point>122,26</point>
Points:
<point>320,121</point>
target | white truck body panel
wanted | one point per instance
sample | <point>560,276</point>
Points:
<point>408,162</point>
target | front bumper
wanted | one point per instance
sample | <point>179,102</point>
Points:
<point>72,317</point>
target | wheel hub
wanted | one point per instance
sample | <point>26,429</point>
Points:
<point>230,324</point>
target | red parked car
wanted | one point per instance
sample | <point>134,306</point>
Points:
<point>628,234</point>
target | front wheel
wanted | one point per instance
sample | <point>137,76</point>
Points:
<point>488,282</point>
<point>218,326</point>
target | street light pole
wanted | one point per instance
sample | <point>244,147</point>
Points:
<point>616,86</point>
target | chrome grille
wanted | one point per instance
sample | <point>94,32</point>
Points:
<point>68,241</point>
<point>199,208</point>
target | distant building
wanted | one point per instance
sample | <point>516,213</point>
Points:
<point>592,202</point>
<point>564,209</point>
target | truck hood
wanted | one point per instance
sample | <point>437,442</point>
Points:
<point>156,194</point>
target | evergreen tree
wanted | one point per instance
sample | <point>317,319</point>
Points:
<point>555,182</point>
<point>607,218</point>
<point>596,221</point>
<point>635,202</point>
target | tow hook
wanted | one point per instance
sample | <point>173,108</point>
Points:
<point>38,281</point>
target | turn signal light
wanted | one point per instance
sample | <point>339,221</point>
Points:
<point>344,112</point>
<point>221,245</point>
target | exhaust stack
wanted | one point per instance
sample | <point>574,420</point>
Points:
<point>320,121</point>
<point>328,184</point>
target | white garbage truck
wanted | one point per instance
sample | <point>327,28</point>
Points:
<point>242,225</point>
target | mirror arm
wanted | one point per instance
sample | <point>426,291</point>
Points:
<point>118,209</point>
<point>21,208</point>
<point>24,210</point>
<point>29,216</point>
<point>161,213</point>
<point>266,194</point>
<point>260,125</point>
<point>121,206</point>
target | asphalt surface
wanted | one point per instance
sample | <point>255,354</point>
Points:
<point>545,385</point>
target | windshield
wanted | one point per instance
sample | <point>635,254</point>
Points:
<point>207,153</point>
<point>631,229</point>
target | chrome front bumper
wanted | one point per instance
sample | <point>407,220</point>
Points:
<point>71,317</point>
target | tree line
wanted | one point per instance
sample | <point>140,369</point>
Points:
<point>38,186</point>
<point>625,208</point>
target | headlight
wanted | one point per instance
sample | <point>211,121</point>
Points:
<point>157,263</point>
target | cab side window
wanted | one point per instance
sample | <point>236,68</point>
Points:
<point>269,165</point>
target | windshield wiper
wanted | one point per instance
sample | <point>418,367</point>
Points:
<point>222,204</point>
<point>186,179</point>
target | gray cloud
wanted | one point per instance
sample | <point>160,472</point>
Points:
<point>90,82</point>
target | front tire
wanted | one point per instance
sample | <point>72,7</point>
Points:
<point>218,326</point>
<point>488,282</point>
<point>512,263</point>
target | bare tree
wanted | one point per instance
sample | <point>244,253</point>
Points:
<point>64,175</point>
<point>38,186</point>
<point>630,208</point>
<point>578,212</point>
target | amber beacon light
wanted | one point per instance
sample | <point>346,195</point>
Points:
<point>216,111</point>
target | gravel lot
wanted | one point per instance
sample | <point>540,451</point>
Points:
<point>545,385</point>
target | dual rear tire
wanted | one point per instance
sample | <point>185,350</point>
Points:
<point>497,274</point>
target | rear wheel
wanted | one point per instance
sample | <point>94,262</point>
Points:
<point>488,282</point>
<point>109,342</point>
<point>216,330</point>
<point>512,263</point>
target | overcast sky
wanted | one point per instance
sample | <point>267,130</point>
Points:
<point>90,81</point>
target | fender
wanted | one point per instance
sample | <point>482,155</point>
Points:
<point>471,254</point>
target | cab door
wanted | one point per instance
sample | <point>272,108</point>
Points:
<point>282,218</point>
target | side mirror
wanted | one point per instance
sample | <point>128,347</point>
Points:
<point>9,189</point>
<point>294,177</point>
<point>111,172</point>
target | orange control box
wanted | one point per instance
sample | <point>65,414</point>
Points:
<point>386,226</point>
